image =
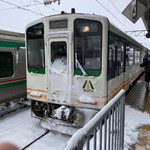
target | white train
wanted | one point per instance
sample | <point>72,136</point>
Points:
<point>76,63</point>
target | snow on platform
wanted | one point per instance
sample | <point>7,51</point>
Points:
<point>137,118</point>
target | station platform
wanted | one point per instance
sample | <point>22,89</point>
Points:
<point>139,99</point>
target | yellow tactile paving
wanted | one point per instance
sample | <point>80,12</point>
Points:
<point>143,142</point>
<point>147,108</point>
<point>143,138</point>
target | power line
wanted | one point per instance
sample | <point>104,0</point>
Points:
<point>121,14</point>
<point>114,15</point>
<point>37,6</point>
<point>19,7</point>
<point>135,35</point>
<point>111,14</point>
<point>49,7</point>
<point>29,5</point>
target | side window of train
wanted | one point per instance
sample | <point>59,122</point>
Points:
<point>88,47</point>
<point>129,56</point>
<point>120,57</point>
<point>115,56</point>
<point>111,58</point>
<point>6,64</point>
<point>137,56</point>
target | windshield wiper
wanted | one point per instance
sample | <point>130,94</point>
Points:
<point>79,65</point>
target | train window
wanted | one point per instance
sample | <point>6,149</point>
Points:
<point>35,48</point>
<point>88,46</point>
<point>115,56</point>
<point>137,56</point>
<point>59,56</point>
<point>129,56</point>
<point>6,64</point>
<point>120,56</point>
<point>111,58</point>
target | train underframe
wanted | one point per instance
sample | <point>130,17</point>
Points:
<point>61,118</point>
<point>54,111</point>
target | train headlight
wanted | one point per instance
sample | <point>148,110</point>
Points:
<point>38,32</point>
<point>85,29</point>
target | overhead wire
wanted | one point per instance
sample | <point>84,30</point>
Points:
<point>121,14</point>
<point>37,6</point>
<point>115,16</point>
<point>19,7</point>
<point>5,9</point>
<point>137,36</point>
<point>23,8</point>
<point>111,13</point>
<point>49,7</point>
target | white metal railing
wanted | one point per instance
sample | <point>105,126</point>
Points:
<point>105,131</point>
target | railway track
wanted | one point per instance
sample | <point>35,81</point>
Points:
<point>35,140</point>
<point>4,112</point>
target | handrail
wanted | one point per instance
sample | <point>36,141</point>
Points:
<point>105,129</point>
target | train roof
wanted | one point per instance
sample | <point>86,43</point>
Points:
<point>123,35</point>
<point>11,36</point>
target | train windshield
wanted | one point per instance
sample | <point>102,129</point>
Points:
<point>88,47</point>
<point>35,48</point>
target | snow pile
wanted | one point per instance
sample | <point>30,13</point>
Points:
<point>133,120</point>
<point>59,66</point>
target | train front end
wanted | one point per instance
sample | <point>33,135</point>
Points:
<point>65,80</point>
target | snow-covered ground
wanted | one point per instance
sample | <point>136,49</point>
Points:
<point>133,120</point>
<point>20,128</point>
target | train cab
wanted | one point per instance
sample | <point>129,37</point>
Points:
<point>69,66</point>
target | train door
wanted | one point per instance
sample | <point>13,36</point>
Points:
<point>58,67</point>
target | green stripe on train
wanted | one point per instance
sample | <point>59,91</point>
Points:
<point>95,73</point>
<point>5,85</point>
<point>11,44</point>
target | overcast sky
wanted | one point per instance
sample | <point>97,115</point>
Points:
<point>16,14</point>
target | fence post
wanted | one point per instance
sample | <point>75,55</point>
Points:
<point>122,117</point>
